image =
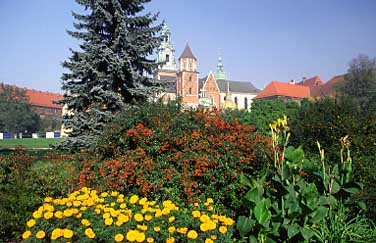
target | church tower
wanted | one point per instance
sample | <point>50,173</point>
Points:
<point>187,83</point>
<point>220,73</point>
<point>166,54</point>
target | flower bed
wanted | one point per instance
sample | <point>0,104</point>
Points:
<point>87,216</point>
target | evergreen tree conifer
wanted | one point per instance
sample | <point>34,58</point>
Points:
<point>112,68</point>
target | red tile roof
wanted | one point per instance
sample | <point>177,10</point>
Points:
<point>41,98</point>
<point>329,88</point>
<point>279,89</point>
<point>45,99</point>
<point>312,82</point>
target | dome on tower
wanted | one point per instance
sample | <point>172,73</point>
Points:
<point>229,104</point>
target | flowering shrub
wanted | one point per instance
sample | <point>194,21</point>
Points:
<point>87,216</point>
<point>188,156</point>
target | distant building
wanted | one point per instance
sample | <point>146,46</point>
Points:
<point>183,82</point>
<point>286,91</point>
<point>319,89</point>
<point>42,102</point>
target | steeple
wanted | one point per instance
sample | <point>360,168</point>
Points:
<point>166,51</point>
<point>187,61</point>
<point>187,53</point>
<point>220,73</point>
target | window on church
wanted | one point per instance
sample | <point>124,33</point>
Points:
<point>167,58</point>
<point>190,65</point>
<point>236,100</point>
<point>245,103</point>
<point>190,90</point>
<point>190,78</point>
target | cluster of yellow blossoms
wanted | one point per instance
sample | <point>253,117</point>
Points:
<point>111,217</point>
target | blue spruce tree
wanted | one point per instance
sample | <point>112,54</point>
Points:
<point>111,68</point>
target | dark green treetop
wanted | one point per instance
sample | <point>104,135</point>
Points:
<point>112,67</point>
<point>360,82</point>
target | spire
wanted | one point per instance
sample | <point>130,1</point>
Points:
<point>220,73</point>
<point>187,53</point>
<point>166,51</point>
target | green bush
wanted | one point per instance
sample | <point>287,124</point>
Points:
<point>161,151</point>
<point>24,182</point>
<point>289,205</point>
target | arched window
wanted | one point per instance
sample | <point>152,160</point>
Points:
<point>245,103</point>
<point>236,100</point>
<point>167,58</point>
<point>190,90</point>
<point>190,78</point>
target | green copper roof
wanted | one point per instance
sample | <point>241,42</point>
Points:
<point>220,73</point>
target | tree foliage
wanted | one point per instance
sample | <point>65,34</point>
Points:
<point>111,68</point>
<point>264,113</point>
<point>16,113</point>
<point>360,82</point>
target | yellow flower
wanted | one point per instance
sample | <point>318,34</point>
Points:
<point>171,229</point>
<point>59,214</point>
<point>204,218</point>
<point>106,215</point>
<point>204,227</point>
<point>196,214</point>
<point>170,240</point>
<point>68,233</point>
<point>114,194</point>
<point>196,204</point>
<point>182,230</point>
<point>85,222</point>
<point>135,235</point>
<point>157,229</point>
<point>67,212</point>
<point>213,237</point>
<point>192,234</point>
<point>138,217</point>
<point>133,199</point>
<point>210,208</point>
<point>119,237</point>
<point>108,221</point>
<point>90,233</point>
<point>166,211</point>
<point>148,217</point>
<point>223,229</point>
<point>140,237</point>
<point>123,205</point>
<point>56,233</point>
<point>150,240</point>
<point>143,201</point>
<point>37,214</point>
<point>48,215</point>
<point>210,200</point>
<point>171,219</point>
<point>208,240</point>
<point>40,234</point>
<point>142,227</point>
<point>104,194</point>
<point>228,221</point>
<point>26,234</point>
<point>48,199</point>
<point>30,223</point>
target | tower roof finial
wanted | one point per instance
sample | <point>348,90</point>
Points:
<point>220,73</point>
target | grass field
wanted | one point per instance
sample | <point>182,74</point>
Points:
<point>28,142</point>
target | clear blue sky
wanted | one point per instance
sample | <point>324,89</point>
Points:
<point>261,40</point>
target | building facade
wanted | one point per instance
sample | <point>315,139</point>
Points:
<point>182,81</point>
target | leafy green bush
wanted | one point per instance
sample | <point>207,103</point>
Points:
<point>288,205</point>
<point>24,181</point>
<point>263,113</point>
<point>327,120</point>
<point>186,155</point>
<point>86,216</point>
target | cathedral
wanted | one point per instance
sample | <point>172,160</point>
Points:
<point>183,81</point>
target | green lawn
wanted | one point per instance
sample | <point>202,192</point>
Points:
<point>28,142</point>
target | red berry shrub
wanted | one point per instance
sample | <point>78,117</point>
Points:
<point>180,155</point>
